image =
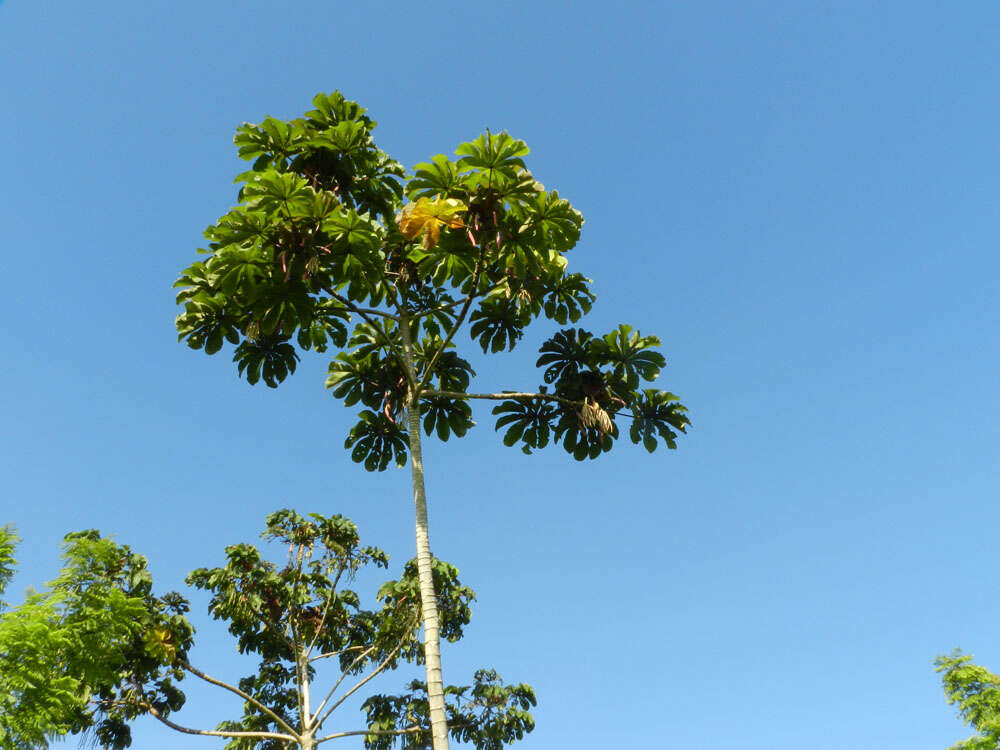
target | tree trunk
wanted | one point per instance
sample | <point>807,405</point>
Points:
<point>428,599</point>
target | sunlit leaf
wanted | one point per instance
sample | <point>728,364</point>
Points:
<point>426,217</point>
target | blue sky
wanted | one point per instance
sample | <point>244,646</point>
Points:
<point>799,198</point>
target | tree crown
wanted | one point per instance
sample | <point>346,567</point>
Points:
<point>332,243</point>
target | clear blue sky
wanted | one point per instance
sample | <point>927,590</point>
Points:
<point>801,199</point>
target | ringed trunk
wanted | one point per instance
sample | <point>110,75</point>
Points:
<point>428,599</point>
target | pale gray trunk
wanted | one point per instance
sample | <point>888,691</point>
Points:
<point>428,599</point>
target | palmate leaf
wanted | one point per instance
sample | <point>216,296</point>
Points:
<point>566,354</point>
<point>580,440</point>
<point>328,323</point>
<point>449,263</point>
<point>375,441</point>
<point>625,351</point>
<point>518,190</point>
<point>426,217</point>
<point>238,227</point>
<point>527,421</point>
<point>446,416</point>
<point>596,376</point>
<point>451,371</point>
<point>568,298</point>
<point>498,324</point>
<point>376,382</point>
<point>350,378</point>
<point>657,414</point>
<point>271,191</point>
<point>356,233</point>
<point>493,151</point>
<point>269,357</point>
<point>344,137</point>
<point>206,323</point>
<point>555,223</point>
<point>269,143</point>
<point>439,177</point>
<point>335,108</point>
<point>238,270</point>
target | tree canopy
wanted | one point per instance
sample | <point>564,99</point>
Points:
<point>332,244</point>
<point>98,649</point>
<point>976,692</point>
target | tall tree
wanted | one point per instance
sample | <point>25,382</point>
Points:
<point>332,244</point>
<point>98,649</point>
<point>976,691</point>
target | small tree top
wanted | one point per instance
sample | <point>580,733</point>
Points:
<point>98,650</point>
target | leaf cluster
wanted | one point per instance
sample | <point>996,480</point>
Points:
<point>92,651</point>
<point>486,714</point>
<point>976,691</point>
<point>594,381</point>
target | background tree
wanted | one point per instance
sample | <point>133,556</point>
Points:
<point>98,650</point>
<point>331,245</point>
<point>976,690</point>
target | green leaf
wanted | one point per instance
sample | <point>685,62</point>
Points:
<point>446,415</point>
<point>566,354</point>
<point>657,414</point>
<point>554,222</point>
<point>493,151</point>
<point>375,441</point>
<point>528,421</point>
<point>438,177</point>
<point>498,324</point>
<point>625,351</point>
<point>270,357</point>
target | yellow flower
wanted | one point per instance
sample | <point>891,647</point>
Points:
<point>427,217</point>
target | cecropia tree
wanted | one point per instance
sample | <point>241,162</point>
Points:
<point>98,650</point>
<point>332,243</point>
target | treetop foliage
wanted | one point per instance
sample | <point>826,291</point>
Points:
<point>78,656</point>
<point>976,691</point>
<point>332,243</point>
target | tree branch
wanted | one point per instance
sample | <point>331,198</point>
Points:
<point>326,611</point>
<point>382,665</point>
<point>422,313</point>
<point>337,735</point>
<point>503,395</point>
<point>216,733</point>
<point>330,654</point>
<point>459,320</point>
<point>249,698</point>
<point>343,676</point>
<point>409,368</point>
<point>364,312</point>
<point>301,662</point>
